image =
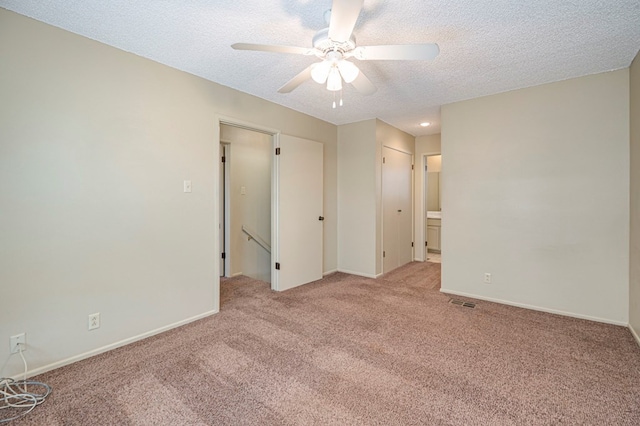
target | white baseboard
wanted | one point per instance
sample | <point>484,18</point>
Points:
<point>237,274</point>
<point>111,346</point>
<point>324,274</point>
<point>535,308</point>
<point>360,274</point>
<point>635,335</point>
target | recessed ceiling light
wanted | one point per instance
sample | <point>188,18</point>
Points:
<point>425,124</point>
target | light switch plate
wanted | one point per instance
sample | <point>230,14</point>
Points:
<point>187,186</point>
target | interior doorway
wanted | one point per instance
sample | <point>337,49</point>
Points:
<point>295,220</point>
<point>247,165</point>
<point>397,211</point>
<point>433,208</point>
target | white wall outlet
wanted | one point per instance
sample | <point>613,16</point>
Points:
<point>487,278</point>
<point>94,321</point>
<point>187,186</point>
<point>18,339</point>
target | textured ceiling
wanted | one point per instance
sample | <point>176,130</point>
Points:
<point>486,46</point>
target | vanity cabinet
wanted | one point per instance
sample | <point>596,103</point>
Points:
<point>433,235</point>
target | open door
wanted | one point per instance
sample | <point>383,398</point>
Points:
<point>298,213</point>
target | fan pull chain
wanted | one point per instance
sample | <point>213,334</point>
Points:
<point>340,102</point>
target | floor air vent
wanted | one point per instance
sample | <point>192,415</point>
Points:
<point>462,303</point>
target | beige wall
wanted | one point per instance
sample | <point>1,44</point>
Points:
<point>357,198</point>
<point>634,246</point>
<point>94,148</point>
<point>425,145</point>
<point>434,163</point>
<point>525,175</point>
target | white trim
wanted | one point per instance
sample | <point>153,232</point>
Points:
<point>227,207</point>
<point>360,274</point>
<point>237,274</point>
<point>412,154</point>
<point>216,215</point>
<point>324,274</point>
<point>275,137</point>
<point>635,335</point>
<point>275,211</point>
<point>423,204</point>
<point>112,346</point>
<point>536,308</point>
<point>232,121</point>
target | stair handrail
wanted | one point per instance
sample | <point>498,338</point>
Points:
<point>255,237</point>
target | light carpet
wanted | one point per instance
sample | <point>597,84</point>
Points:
<point>348,350</point>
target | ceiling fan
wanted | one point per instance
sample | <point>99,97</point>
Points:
<point>335,45</point>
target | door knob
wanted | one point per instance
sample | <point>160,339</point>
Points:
<point>399,211</point>
<point>321,218</point>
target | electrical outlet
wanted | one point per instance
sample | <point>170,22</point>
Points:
<point>94,321</point>
<point>18,339</point>
<point>487,278</point>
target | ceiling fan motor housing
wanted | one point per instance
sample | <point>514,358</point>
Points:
<point>324,44</point>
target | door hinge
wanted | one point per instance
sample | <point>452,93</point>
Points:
<point>384,254</point>
<point>426,244</point>
<point>278,266</point>
<point>224,255</point>
<point>277,151</point>
<point>412,167</point>
<point>383,160</point>
<point>224,159</point>
<point>411,243</point>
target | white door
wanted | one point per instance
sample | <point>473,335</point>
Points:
<point>299,223</point>
<point>397,237</point>
<point>221,215</point>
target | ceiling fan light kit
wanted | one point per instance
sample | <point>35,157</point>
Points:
<point>334,81</point>
<point>337,43</point>
<point>320,72</point>
<point>348,71</point>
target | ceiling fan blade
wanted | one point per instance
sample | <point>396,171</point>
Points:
<point>397,52</point>
<point>363,85</point>
<point>297,80</point>
<point>273,48</point>
<point>344,14</point>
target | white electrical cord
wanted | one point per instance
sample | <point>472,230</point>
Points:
<point>15,396</point>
